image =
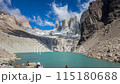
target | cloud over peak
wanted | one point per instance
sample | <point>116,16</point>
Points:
<point>83,6</point>
<point>58,11</point>
<point>62,12</point>
<point>4,5</point>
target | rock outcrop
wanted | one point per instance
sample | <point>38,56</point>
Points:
<point>23,23</point>
<point>114,10</point>
<point>101,13</point>
<point>69,27</point>
<point>57,27</point>
<point>56,24</point>
<point>85,14</point>
<point>74,25</point>
<point>94,21</point>
<point>100,30</point>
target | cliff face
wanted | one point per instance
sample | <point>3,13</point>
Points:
<point>23,23</point>
<point>64,24</point>
<point>56,24</point>
<point>114,10</point>
<point>101,13</point>
<point>84,15</point>
<point>69,27</point>
<point>94,21</point>
<point>100,30</point>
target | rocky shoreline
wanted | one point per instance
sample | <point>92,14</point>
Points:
<point>7,59</point>
<point>104,44</point>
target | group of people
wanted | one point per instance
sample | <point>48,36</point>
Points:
<point>37,66</point>
<point>6,64</point>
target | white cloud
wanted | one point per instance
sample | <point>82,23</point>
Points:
<point>83,6</point>
<point>40,22</point>
<point>62,12</point>
<point>47,23</point>
<point>12,11</point>
<point>4,5</point>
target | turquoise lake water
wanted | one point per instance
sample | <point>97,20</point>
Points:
<point>61,59</point>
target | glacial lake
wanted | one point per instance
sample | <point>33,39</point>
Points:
<point>61,59</point>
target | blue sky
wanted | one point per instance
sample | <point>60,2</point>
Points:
<point>43,13</point>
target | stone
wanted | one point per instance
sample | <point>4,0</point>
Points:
<point>31,65</point>
<point>18,59</point>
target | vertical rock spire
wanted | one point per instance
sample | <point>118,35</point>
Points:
<point>56,24</point>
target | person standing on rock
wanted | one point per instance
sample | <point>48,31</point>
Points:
<point>17,65</point>
<point>39,65</point>
<point>66,66</point>
<point>27,63</point>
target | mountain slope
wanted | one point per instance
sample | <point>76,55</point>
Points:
<point>100,30</point>
<point>14,39</point>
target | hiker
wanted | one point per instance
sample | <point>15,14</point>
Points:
<point>39,65</point>
<point>10,64</point>
<point>27,63</point>
<point>66,66</point>
<point>2,63</point>
<point>17,65</point>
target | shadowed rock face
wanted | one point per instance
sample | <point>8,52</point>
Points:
<point>100,30</point>
<point>84,15</point>
<point>101,12</point>
<point>114,10</point>
<point>93,21</point>
<point>64,23</point>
